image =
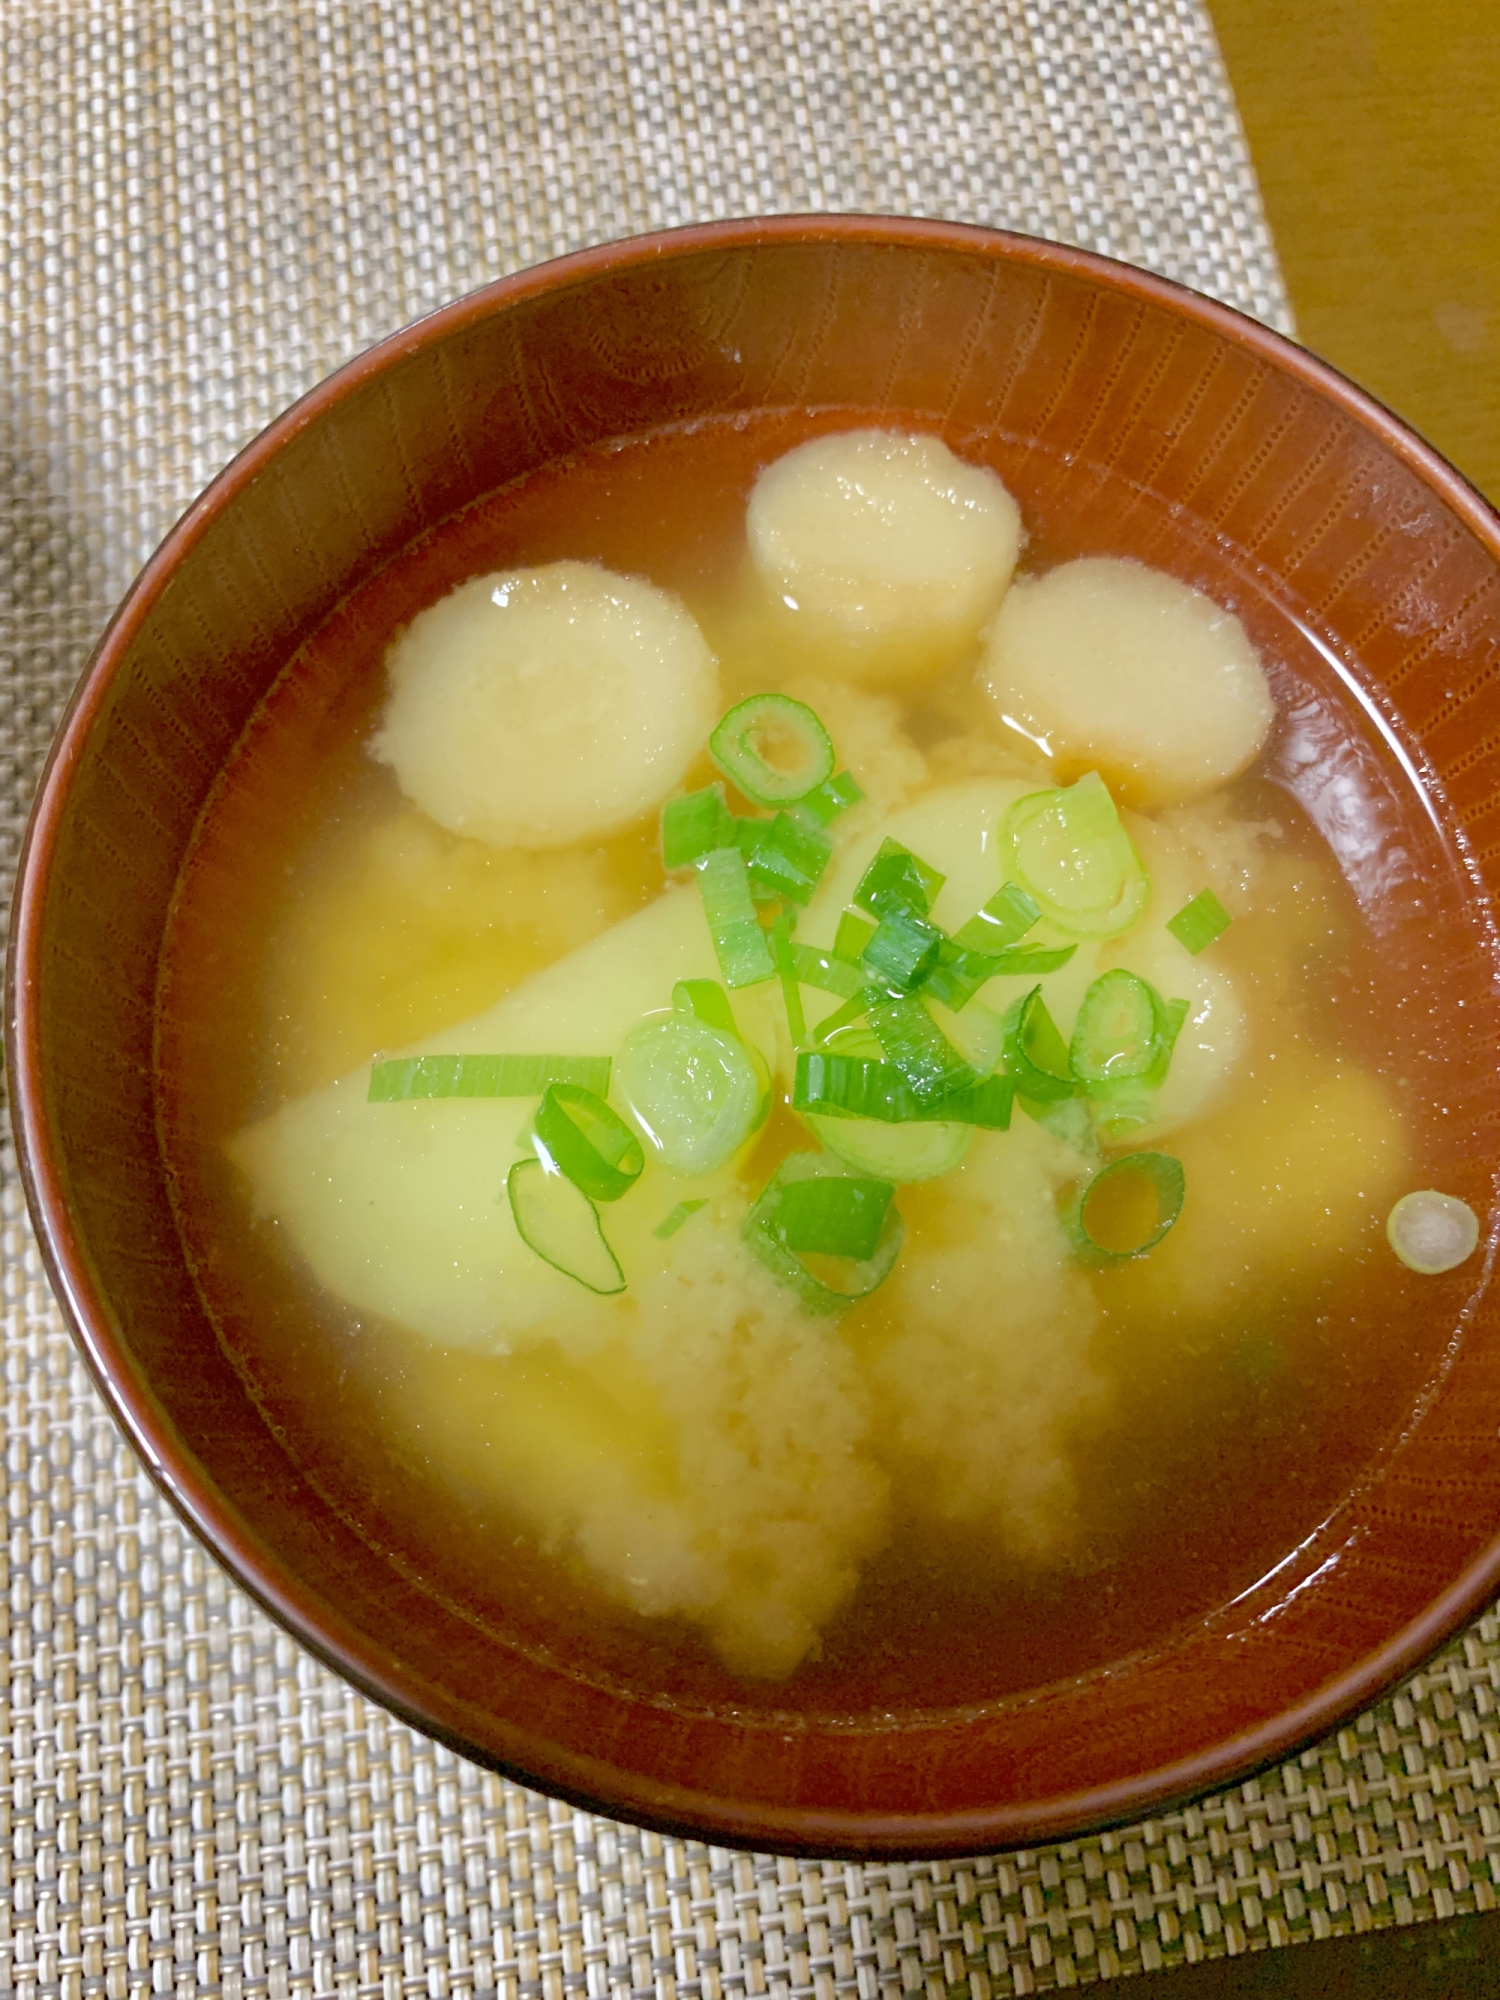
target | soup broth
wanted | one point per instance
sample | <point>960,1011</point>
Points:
<point>1155,1435</point>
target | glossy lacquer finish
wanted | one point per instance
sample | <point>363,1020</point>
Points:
<point>1348,521</point>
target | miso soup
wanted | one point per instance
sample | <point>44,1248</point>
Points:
<point>986,1415</point>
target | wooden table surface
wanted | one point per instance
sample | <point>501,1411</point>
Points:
<point>1375,129</point>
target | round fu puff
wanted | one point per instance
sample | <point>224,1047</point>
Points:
<point>879,552</point>
<point>1112,666</point>
<point>537,707</point>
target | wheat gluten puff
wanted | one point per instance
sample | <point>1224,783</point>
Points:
<point>538,707</point>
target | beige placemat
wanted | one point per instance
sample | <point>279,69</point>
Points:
<point>206,207</point>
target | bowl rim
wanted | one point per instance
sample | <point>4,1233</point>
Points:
<point>577,1777</point>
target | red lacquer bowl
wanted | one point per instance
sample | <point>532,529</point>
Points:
<point>1358,531</point>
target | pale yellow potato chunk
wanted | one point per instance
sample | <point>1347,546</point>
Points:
<point>536,707</point>
<point>1110,666</point>
<point>400,1209</point>
<point>881,550</point>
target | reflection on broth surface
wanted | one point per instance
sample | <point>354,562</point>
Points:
<point>1001,1467</point>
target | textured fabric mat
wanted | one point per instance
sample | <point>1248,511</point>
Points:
<point>206,207</point>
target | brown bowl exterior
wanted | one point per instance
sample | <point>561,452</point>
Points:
<point>1353,524</point>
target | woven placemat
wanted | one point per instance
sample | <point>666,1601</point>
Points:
<point>206,207</point>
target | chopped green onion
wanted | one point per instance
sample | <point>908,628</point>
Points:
<point>788,729</point>
<point>409,1077</point>
<point>822,805</point>
<point>1071,854</point>
<point>707,1001</point>
<point>978,1033</point>
<point>903,949</point>
<point>1003,920</point>
<point>693,1092</point>
<point>852,1086</point>
<point>1199,922</point>
<point>986,1103</point>
<point>1432,1232</point>
<point>854,1009</point>
<point>840,1282</point>
<point>786,972</point>
<point>670,1224</point>
<point>1036,1056</point>
<point>827,971</point>
<point>915,1043</point>
<point>583,1138</point>
<point>1127,1208</point>
<point>1116,1036</point>
<point>960,973</point>
<point>1123,1103</point>
<point>851,937</point>
<point>786,860</point>
<point>896,878</point>
<point>833,1215</point>
<point>855,1087</point>
<point>694,826</point>
<point>739,942</point>
<point>559,1222</point>
<point>1020,959</point>
<point>920,1150</point>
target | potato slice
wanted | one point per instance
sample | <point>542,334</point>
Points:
<point>536,707</point>
<point>881,552</point>
<point>400,1209</point>
<point>1110,666</point>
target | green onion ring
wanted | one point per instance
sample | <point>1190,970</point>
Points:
<point>735,748</point>
<point>1166,1178</point>
<point>588,1142</point>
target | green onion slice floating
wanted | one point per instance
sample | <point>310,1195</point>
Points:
<point>827,971</point>
<point>1003,921</point>
<point>1123,1101</point>
<point>854,1009</point>
<point>1127,1208</point>
<point>833,1215</point>
<point>1036,1056</point>
<point>1069,851</point>
<point>786,972</point>
<point>822,805</point>
<point>409,1077</point>
<point>557,1220</point>
<point>695,826</point>
<point>683,1212</point>
<point>583,1138</point>
<point>960,972</point>
<point>836,1281</point>
<point>773,748</point>
<point>1199,922</point>
<point>1117,1034</point>
<point>920,1150</point>
<point>853,934</point>
<point>787,860</point>
<point>853,1086</point>
<point>903,949</point>
<point>897,878</point>
<point>739,942</point>
<point>914,1042</point>
<point>693,1092</point>
<point>707,1001</point>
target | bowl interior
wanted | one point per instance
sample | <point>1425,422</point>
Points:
<point>1249,462</point>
